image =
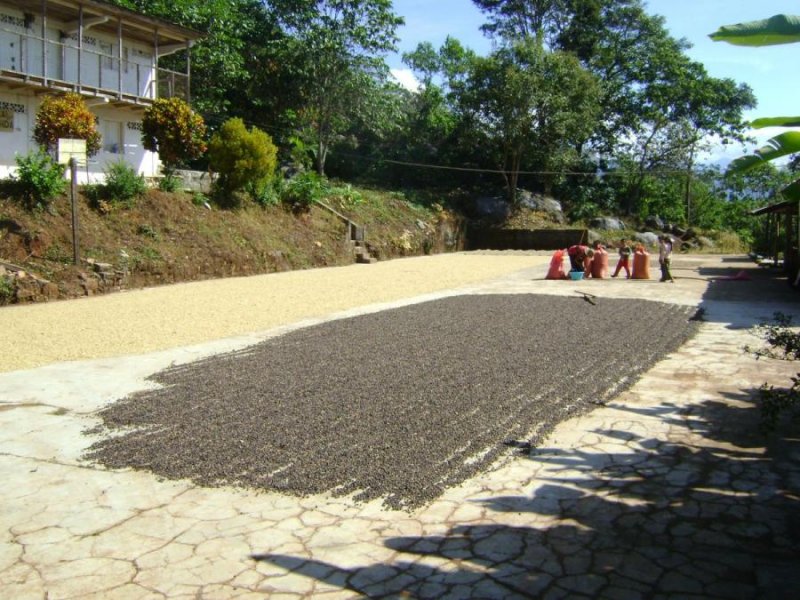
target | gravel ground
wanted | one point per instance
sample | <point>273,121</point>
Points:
<point>170,316</point>
<point>398,404</point>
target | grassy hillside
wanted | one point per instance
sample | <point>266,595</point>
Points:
<point>164,238</point>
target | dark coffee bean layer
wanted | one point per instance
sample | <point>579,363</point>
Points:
<point>397,405</point>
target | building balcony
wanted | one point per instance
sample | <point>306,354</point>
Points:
<point>91,47</point>
<point>33,63</point>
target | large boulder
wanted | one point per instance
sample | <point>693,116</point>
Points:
<point>607,224</point>
<point>541,202</point>
<point>655,222</point>
<point>648,238</point>
<point>704,242</point>
<point>491,208</point>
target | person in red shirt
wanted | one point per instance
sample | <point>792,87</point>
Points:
<point>577,256</point>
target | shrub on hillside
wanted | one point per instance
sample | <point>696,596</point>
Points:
<point>171,128</point>
<point>39,179</point>
<point>245,159</point>
<point>65,116</point>
<point>122,186</point>
<point>303,190</point>
<point>123,183</point>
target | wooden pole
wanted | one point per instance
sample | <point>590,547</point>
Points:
<point>73,167</point>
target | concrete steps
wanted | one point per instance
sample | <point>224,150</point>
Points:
<point>362,253</point>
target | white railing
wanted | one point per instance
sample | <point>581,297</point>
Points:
<point>64,63</point>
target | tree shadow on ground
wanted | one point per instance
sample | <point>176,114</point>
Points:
<point>626,517</point>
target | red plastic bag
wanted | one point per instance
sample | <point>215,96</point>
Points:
<point>559,266</point>
<point>641,264</point>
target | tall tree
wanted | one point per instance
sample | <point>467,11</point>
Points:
<point>535,107</point>
<point>234,32</point>
<point>336,52</point>
<point>514,19</point>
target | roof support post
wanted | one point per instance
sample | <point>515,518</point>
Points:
<point>154,92</point>
<point>80,45</point>
<point>44,42</point>
<point>188,72</point>
<point>119,58</point>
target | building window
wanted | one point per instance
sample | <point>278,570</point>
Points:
<point>107,55</point>
<point>112,137</point>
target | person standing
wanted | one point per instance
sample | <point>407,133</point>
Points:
<point>665,258</point>
<point>624,262</point>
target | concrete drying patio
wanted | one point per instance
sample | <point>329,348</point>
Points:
<point>667,491</point>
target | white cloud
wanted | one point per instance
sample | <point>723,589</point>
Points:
<point>406,78</point>
<point>724,154</point>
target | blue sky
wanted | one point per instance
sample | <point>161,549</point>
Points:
<point>772,72</point>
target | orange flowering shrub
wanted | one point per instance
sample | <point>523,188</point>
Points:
<point>171,128</point>
<point>66,116</point>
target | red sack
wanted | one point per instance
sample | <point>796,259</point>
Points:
<point>559,266</point>
<point>641,264</point>
<point>600,264</point>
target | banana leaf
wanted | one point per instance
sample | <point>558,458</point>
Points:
<point>780,29</point>
<point>780,145</point>
<point>792,191</point>
<point>775,122</point>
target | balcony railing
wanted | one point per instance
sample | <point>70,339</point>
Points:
<point>63,65</point>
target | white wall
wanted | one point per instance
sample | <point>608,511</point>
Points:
<point>137,76</point>
<point>20,142</point>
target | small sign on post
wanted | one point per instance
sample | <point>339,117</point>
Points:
<point>72,152</point>
<point>71,148</point>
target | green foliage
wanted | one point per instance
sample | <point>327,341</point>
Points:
<point>65,116</point>
<point>269,194</point>
<point>123,184</point>
<point>147,231</point>
<point>245,159</point>
<point>303,190</point>
<point>346,195</point>
<point>335,53</point>
<point>39,179</point>
<point>171,128</point>
<point>199,199</point>
<point>780,29</point>
<point>170,182</point>
<point>783,343</point>
<point>6,290</point>
<point>534,103</point>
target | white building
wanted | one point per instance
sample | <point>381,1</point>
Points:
<point>107,54</point>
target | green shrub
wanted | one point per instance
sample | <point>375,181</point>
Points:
<point>303,190</point>
<point>6,290</point>
<point>268,194</point>
<point>39,179</point>
<point>199,199</point>
<point>170,182</point>
<point>123,184</point>
<point>147,231</point>
<point>346,195</point>
<point>245,159</point>
<point>783,342</point>
<point>66,116</point>
<point>171,128</point>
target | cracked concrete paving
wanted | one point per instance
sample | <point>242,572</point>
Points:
<point>668,491</point>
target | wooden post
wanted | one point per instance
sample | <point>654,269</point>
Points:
<point>73,168</point>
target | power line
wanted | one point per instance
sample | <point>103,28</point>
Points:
<point>502,172</point>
